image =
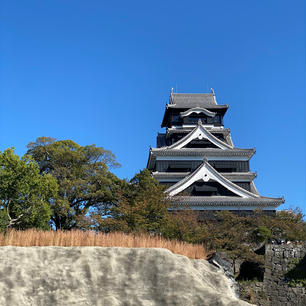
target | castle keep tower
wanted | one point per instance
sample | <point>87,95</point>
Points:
<point>198,162</point>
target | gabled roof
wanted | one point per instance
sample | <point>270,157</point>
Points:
<point>187,100</point>
<point>197,110</point>
<point>199,132</point>
<point>206,173</point>
<point>213,130</point>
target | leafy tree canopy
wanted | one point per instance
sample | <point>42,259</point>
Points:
<point>141,207</point>
<point>241,236</point>
<point>83,177</point>
<point>25,195</point>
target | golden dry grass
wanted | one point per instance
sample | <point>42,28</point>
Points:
<point>34,237</point>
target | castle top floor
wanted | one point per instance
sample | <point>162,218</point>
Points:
<point>185,110</point>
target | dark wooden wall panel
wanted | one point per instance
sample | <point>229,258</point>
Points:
<point>221,166</point>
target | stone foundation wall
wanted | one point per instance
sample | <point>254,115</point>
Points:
<point>279,259</point>
<point>254,293</point>
<point>275,290</point>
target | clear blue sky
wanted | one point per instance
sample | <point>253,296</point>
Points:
<point>101,72</point>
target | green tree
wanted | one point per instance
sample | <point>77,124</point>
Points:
<point>286,224</point>
<point>262,234</point>
<point>233,234</point>
<point>241,236</point>
<point>83,177</point>
<point>141,207</point>
<point>183,225</point>
<point>25,195</point>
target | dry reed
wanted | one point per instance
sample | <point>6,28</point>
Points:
<point>34,237</point>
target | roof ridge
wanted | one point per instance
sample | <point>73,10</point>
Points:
<point>190,93</point>
<point>202,133</point>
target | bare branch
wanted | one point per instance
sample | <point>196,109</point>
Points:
<point>16,220</point>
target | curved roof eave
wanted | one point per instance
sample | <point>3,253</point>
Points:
<point>197,110</point>
<point>206,172</point>
<point>199,132</point>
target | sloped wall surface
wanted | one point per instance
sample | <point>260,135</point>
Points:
<point>279,259</point>
<point>275,290</point>
<point>99,276</point>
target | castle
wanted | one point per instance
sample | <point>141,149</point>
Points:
<point>198,163</point>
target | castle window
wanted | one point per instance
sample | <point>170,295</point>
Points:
<point>217,119</point>
<point>175,118</point>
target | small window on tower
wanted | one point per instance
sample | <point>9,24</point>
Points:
<point>217,119</point>
<point>175,118</point>
<point>192,119</point>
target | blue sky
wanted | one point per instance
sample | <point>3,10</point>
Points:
<point>101,72</point>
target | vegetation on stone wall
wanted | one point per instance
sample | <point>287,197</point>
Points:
<point>296,276</point>
<point>240,236</point>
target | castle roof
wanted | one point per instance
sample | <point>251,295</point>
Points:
<point>181,202</point>
<point>186,130</point>
<point>187,100</point>
<point>206,173</point>
<point>232,176</point>
<point>198,153</point>
<point>215,130</point>
<point>199,132</point>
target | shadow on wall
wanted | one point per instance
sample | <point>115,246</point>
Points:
<point>297,275</point>
<point>251,271</point>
